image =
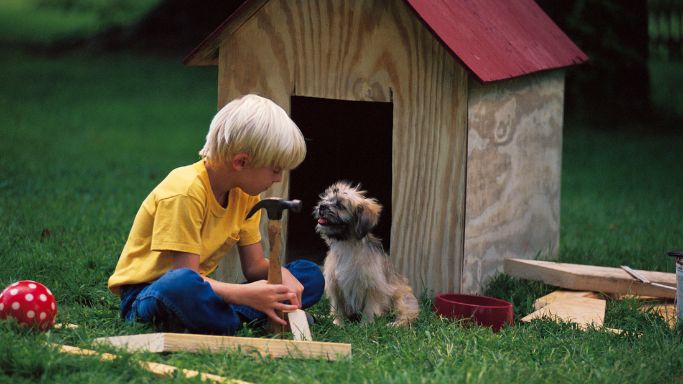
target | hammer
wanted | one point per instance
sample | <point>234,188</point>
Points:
<point>274,208</point>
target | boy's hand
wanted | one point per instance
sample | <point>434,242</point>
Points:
<point>294,285</point>
<point>267,298</point>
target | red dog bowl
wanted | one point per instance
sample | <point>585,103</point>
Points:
<point>485,311</point>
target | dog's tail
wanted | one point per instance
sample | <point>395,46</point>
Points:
<point>406,306</point>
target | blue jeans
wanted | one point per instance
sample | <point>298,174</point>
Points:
<point>181,300</point>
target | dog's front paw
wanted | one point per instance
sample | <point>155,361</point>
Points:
<point>338,321</point>
<point>401,322</point>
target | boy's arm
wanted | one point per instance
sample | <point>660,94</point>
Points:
<point>259,295</point>
<point>254,264</point>
<point>185,260</point>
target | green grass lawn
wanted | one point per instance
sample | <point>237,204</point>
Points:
<point>621,200</point>
<point>667,92</point>
<point>85,138</point>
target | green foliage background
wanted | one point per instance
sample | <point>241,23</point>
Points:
<point>49,23</point>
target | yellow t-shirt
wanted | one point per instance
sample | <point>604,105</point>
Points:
<point>182,214</point>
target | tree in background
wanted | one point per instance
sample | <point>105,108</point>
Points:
<point>614,33</point>
<point>173,26</point>
<point>177,25</point>
<point>615,82</point>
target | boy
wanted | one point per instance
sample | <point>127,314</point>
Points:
<point>197,213</point>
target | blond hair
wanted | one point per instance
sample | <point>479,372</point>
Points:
<point>258,127</point>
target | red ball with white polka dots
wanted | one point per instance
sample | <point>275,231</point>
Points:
<point>30,302</point>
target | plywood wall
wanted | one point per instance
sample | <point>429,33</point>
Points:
<point>373,50</point>
<point>514,154</point>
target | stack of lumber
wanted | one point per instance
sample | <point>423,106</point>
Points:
<point>582,302</point>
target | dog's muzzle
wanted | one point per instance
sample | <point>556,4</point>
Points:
<point>321,213</point>
<point>325,216</point>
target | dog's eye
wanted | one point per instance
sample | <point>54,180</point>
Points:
<point>338,205</point>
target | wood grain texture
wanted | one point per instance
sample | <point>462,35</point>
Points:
<point>591,278</point>
<point>514,155</point>
<point>562,295</point>
<point>583,311</point>
<point>374,50</point>
<point>666,311</point>
<point>184,342</point>
<point>298,325</point>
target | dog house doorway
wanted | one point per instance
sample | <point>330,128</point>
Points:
<point>346,140</point>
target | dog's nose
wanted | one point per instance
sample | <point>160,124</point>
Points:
<point>322,208</point>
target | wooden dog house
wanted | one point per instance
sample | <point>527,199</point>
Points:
<point>449,111</point>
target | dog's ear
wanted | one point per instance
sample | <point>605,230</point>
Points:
<point>367,216</point>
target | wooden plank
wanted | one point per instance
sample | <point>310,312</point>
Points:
<point>665,310</point>
<point>623,296</point>
<point>583,311</point>
<point>298,324</point>
<point>561,295</point>
<point>182,342</point>
<point>158,369</point>
<point>640,277</point>
<point>65,326</point>
<point>591,278</point>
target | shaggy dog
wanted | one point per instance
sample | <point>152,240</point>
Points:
<point>360,281</point>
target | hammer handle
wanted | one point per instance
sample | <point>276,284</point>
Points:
<point>274,269</point>
<point>274,239</point>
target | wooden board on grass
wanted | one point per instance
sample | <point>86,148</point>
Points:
<point>591,278</point>
<point>183,342</point>
<point>583,311</point>
<point>666,310</point>
<point>561,295</point>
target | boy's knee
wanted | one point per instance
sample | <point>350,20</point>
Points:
<point>306,269</point>
<point>147,309</point>
<point>302,265</point>
<point>311,277</point>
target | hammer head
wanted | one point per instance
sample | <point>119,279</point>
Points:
<point>274,207</point>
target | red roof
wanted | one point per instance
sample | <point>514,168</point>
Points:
<point>494,39</point>
<point>499,39</point>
